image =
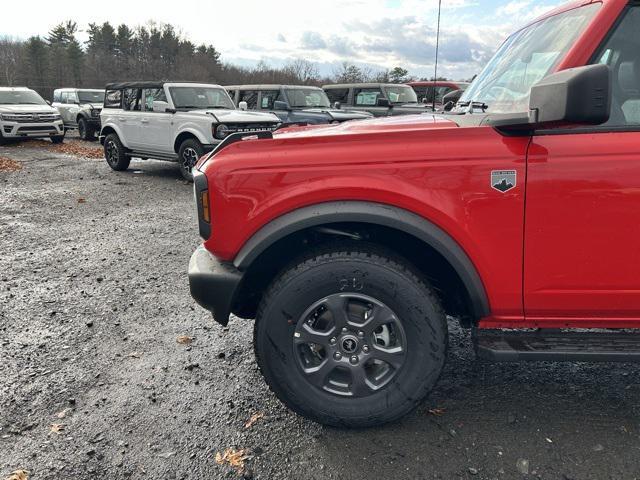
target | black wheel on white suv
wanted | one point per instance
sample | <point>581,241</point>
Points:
<point>85,132</point>
<point>57,139</point>
<point>115,154</point>
<point>351,336</point>
<point>188,154</point>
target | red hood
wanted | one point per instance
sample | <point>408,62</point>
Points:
<point>375,125</point>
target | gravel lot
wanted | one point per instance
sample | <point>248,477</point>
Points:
<point>94,383</point>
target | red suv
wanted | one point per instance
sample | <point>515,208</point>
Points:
<point>352,245</point>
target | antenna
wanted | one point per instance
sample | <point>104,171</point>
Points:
<point>435,74</point>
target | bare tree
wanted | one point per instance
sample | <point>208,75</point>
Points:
<point>303,71</point>
<point>10,53</point>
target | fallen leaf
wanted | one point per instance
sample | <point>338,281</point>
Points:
<point>437,412</point>
<point>184,340</point>
<point>135,355</point>
<point>19,475</point>
<point>82,200</point>
<point>57,428</point>
<point>254,418</point>
<point>9,165</point>
<point>234,458</point>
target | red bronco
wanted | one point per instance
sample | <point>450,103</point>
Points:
<point>519,210</point>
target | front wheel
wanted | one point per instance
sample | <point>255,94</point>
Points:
<point>349,337</point>
<point>57,139</point>
<point>115,154</point>
<point>188,154</point>
<point>85,132</point>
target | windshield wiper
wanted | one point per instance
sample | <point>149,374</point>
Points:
<point>473,105</point>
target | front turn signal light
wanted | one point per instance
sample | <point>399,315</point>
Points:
<point>204,201</point>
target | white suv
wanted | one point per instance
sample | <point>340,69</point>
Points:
<point>171,121</point>
<point>24,114</point>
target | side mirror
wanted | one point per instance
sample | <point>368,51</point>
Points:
<point>160,106</point>
<point>337,105</point>
<point>450,99</point>
<point>383,102</point>
<point>243,106</point>
<point>280,105</point>
<point>579,96</point>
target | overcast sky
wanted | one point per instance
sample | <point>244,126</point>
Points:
<point>378,33</point>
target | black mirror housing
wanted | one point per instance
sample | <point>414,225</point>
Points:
<point>578,95</point>
<point>280,105</point>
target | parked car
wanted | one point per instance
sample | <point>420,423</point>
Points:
<point>380,99</point>
<point>80,109</point>
<point>351,245</point>
<point>292,104</point>
<point>25,114</point>
<point>428,92</point>
<point>171,121</point>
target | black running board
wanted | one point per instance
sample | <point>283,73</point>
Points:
<point>557,346</point>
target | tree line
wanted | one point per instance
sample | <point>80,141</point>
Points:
<point>151,52</point>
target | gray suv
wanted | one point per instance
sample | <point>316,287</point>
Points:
<point>80,109</point>
<point>292,104</point>
<point>380,99</point>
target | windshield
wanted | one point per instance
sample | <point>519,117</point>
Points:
<point>92,96</point>
<point>307,97</point>
<point>526,58</point>
<point>401,94</point>
<point>21,97</point>
<point>201,97</point>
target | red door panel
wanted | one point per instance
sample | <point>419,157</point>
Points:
<point>582,230</point>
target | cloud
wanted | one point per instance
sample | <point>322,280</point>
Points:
<point>312,41</point>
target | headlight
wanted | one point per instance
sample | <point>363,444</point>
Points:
<point>222,131</point>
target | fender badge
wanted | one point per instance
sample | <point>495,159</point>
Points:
<point>503,180</point>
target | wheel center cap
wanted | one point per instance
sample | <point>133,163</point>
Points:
<point>349,344</point>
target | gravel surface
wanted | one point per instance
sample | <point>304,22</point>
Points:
<point>109,370</point>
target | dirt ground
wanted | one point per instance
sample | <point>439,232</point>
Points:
<point>97,381</point>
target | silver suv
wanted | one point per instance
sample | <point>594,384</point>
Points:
<point>24,114</point>
<point>171,121</point>
<point>80,109</point>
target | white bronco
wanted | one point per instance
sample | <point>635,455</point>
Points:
<point>24,114</point>
<point>171,121</point>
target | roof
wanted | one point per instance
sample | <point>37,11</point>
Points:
<point>72,89</point>
<point>364,85</point>
<point>6,89</point>
<point>152,84</point>
<point>274,86</point>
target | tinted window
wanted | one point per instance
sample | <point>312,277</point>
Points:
<point>423,92</point>
<point>113,99</point>
<point>268,97</point>
<point>131,99</point>
<point>249,96</point>
<point>72,97</point>
<point>367,96</point>
<point>91,96</point>
<point>232,94</point>
<point>63,97</point>
<point>200,97</point>
<point>153,95</point>
<point>57,96</point>
<point>338,94</point>
<point>21,97</point>
<point>622,54</point>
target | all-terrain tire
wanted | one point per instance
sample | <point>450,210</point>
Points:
<point>114,153</point>
<point>188,154</point>
<point>352,270</point>
<point>85,132</point>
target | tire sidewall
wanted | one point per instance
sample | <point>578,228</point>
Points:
<point>123,161</point>
<point>190,143</point>
<point>421,319</point>
<point>83,129</point>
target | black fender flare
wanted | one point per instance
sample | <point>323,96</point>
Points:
<point>377,214</point>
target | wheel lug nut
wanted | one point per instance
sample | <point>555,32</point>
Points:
<point>365,349</point>
<point>337,356</point>
<point>361,334</point>
<point>333,341</point>
<point>353,360</point>
<point>345,329</point>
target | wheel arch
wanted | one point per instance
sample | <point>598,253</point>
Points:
<point>417,239</point>
<point>108,130</point>
<point>185,135</point>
